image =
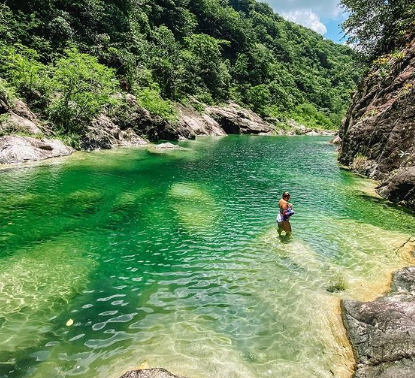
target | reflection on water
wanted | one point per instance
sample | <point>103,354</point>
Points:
<point>175,259</point>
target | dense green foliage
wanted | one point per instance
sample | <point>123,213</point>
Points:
<point>84,87</point>
<point>63,57</point>
<point>378,26</point>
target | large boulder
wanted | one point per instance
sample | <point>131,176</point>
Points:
<point>234,119</point>
<point>15,123</point>
<point>198,123</point>
<point>105,134</point>
<point>18,149</point>
<point>400,187</point>
<point>382,332</point>
<point>17,118</point>
<point>133,116</point>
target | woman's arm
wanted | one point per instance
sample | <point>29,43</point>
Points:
<point>283,204</point>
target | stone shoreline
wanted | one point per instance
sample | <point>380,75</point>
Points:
<point>382,332</point>
<point>28,139</point>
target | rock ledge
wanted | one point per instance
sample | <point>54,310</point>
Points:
<point>18,149</point>
<point>382,332</point>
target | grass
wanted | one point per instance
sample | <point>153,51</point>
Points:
<point>337,283</point>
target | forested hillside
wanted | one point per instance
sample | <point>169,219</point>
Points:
<point>67,58</point>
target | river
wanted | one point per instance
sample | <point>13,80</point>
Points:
<point>111,258</point>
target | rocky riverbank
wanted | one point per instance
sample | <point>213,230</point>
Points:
<point>23,137</point>
<point>382,332</point>
<point>378,133</point>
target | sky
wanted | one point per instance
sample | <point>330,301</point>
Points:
<point>322,16</point>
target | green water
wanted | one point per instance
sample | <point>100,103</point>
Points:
<point>174,258</point>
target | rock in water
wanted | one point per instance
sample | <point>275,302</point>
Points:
<point>150,373</point>
<point>382,332</point>
<point>18,149</point>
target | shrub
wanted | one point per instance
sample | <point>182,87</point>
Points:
<point>360,163</point>
<point>150,99</point>
<point>21,68</point>
<point>310,116</point>
<point>6,92</point>
<point>258,98</point>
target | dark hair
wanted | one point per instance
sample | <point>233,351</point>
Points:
<point>286,194</point>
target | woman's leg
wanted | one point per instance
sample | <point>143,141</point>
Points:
<point>286,226</point>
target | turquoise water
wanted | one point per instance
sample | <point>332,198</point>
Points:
<point>111,258</point>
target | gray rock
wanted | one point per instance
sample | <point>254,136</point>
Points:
<point>105,134</point>
<point>150,373</point>
<point>382,332</point>
<point>400,187</point>
<point>17,124</point>
<point>19,118</point>
<point>198,124</point>
<point>130,138</point>
<point>235,120</point>
<point>133,116</point>
<point>398,369</point>
<point>21,109</point>
<point>336,140</point>
<point>18,149</point>
<point>404,281</point>
<point>166,145</point>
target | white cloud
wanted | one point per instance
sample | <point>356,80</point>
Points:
<point>307,18</point>
<point>324,8</point>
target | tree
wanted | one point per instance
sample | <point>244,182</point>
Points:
<point>204,65</point>
<point>82,87</point>
<point>165,62</point>
<point>378,26</point>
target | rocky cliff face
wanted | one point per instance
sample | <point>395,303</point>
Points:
<point>378,133</point>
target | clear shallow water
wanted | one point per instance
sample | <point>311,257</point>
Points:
<point>174,258</point>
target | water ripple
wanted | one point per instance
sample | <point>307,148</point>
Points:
<point>176,260</point>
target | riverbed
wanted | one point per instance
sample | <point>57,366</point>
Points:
<point>112,258</point>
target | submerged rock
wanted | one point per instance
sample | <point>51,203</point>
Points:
<point>164,147</point>
<point>19,149</point>
<point>382,332</point>
<point>150,373</point>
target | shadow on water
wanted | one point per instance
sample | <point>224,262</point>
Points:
<point>386,203</point>
<point>285,238</point>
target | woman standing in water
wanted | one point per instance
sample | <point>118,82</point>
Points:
<point>285,211</point>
